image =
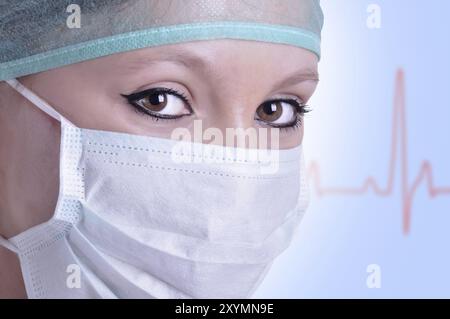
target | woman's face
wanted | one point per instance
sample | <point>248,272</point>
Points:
<point>153,91</point>
<point>223,83</point>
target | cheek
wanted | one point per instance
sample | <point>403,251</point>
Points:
<point>291,138</point>
<point>286,138</point>
<point>84,100</point>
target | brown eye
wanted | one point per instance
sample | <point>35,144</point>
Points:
<point>160,102</point>
<point>155,102</point>
<point>270,112</point>
<point>276,113</point>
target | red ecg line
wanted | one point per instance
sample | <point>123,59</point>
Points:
<point>399,148</point>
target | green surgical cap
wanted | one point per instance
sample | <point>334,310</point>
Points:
<point>39,35</point>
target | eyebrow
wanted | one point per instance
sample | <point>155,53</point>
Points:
<point>307,74</point>
<point>185,59</point>
<point>188,60</point>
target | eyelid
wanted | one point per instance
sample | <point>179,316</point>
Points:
<point>281,97</point>
<point>133,98</point>
<point>297,103</point>
<point>300,108</point>
<point>288,100</point>
<point>145,93</point>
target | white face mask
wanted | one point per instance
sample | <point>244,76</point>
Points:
<point>131,223</point>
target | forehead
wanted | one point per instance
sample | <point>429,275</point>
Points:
<point>221,53</point>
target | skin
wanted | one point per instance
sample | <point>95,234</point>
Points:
<point>226,83</point>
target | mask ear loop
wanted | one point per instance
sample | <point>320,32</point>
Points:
<point>33,98</point>
<point>8,245</point>
<point>46,108</point>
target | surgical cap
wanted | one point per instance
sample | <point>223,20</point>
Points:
<point>39,35</point>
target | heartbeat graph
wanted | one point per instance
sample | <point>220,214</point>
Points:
<point>399,151</point>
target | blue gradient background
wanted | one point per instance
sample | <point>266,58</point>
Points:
<point>349,135</point>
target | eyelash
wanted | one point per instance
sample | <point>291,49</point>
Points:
<point>300,108</point>
<point>132,98</point>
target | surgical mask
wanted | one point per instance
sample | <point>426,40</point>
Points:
<point>131,223</point>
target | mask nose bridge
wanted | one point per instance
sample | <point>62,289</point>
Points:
<point>34,99</point>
